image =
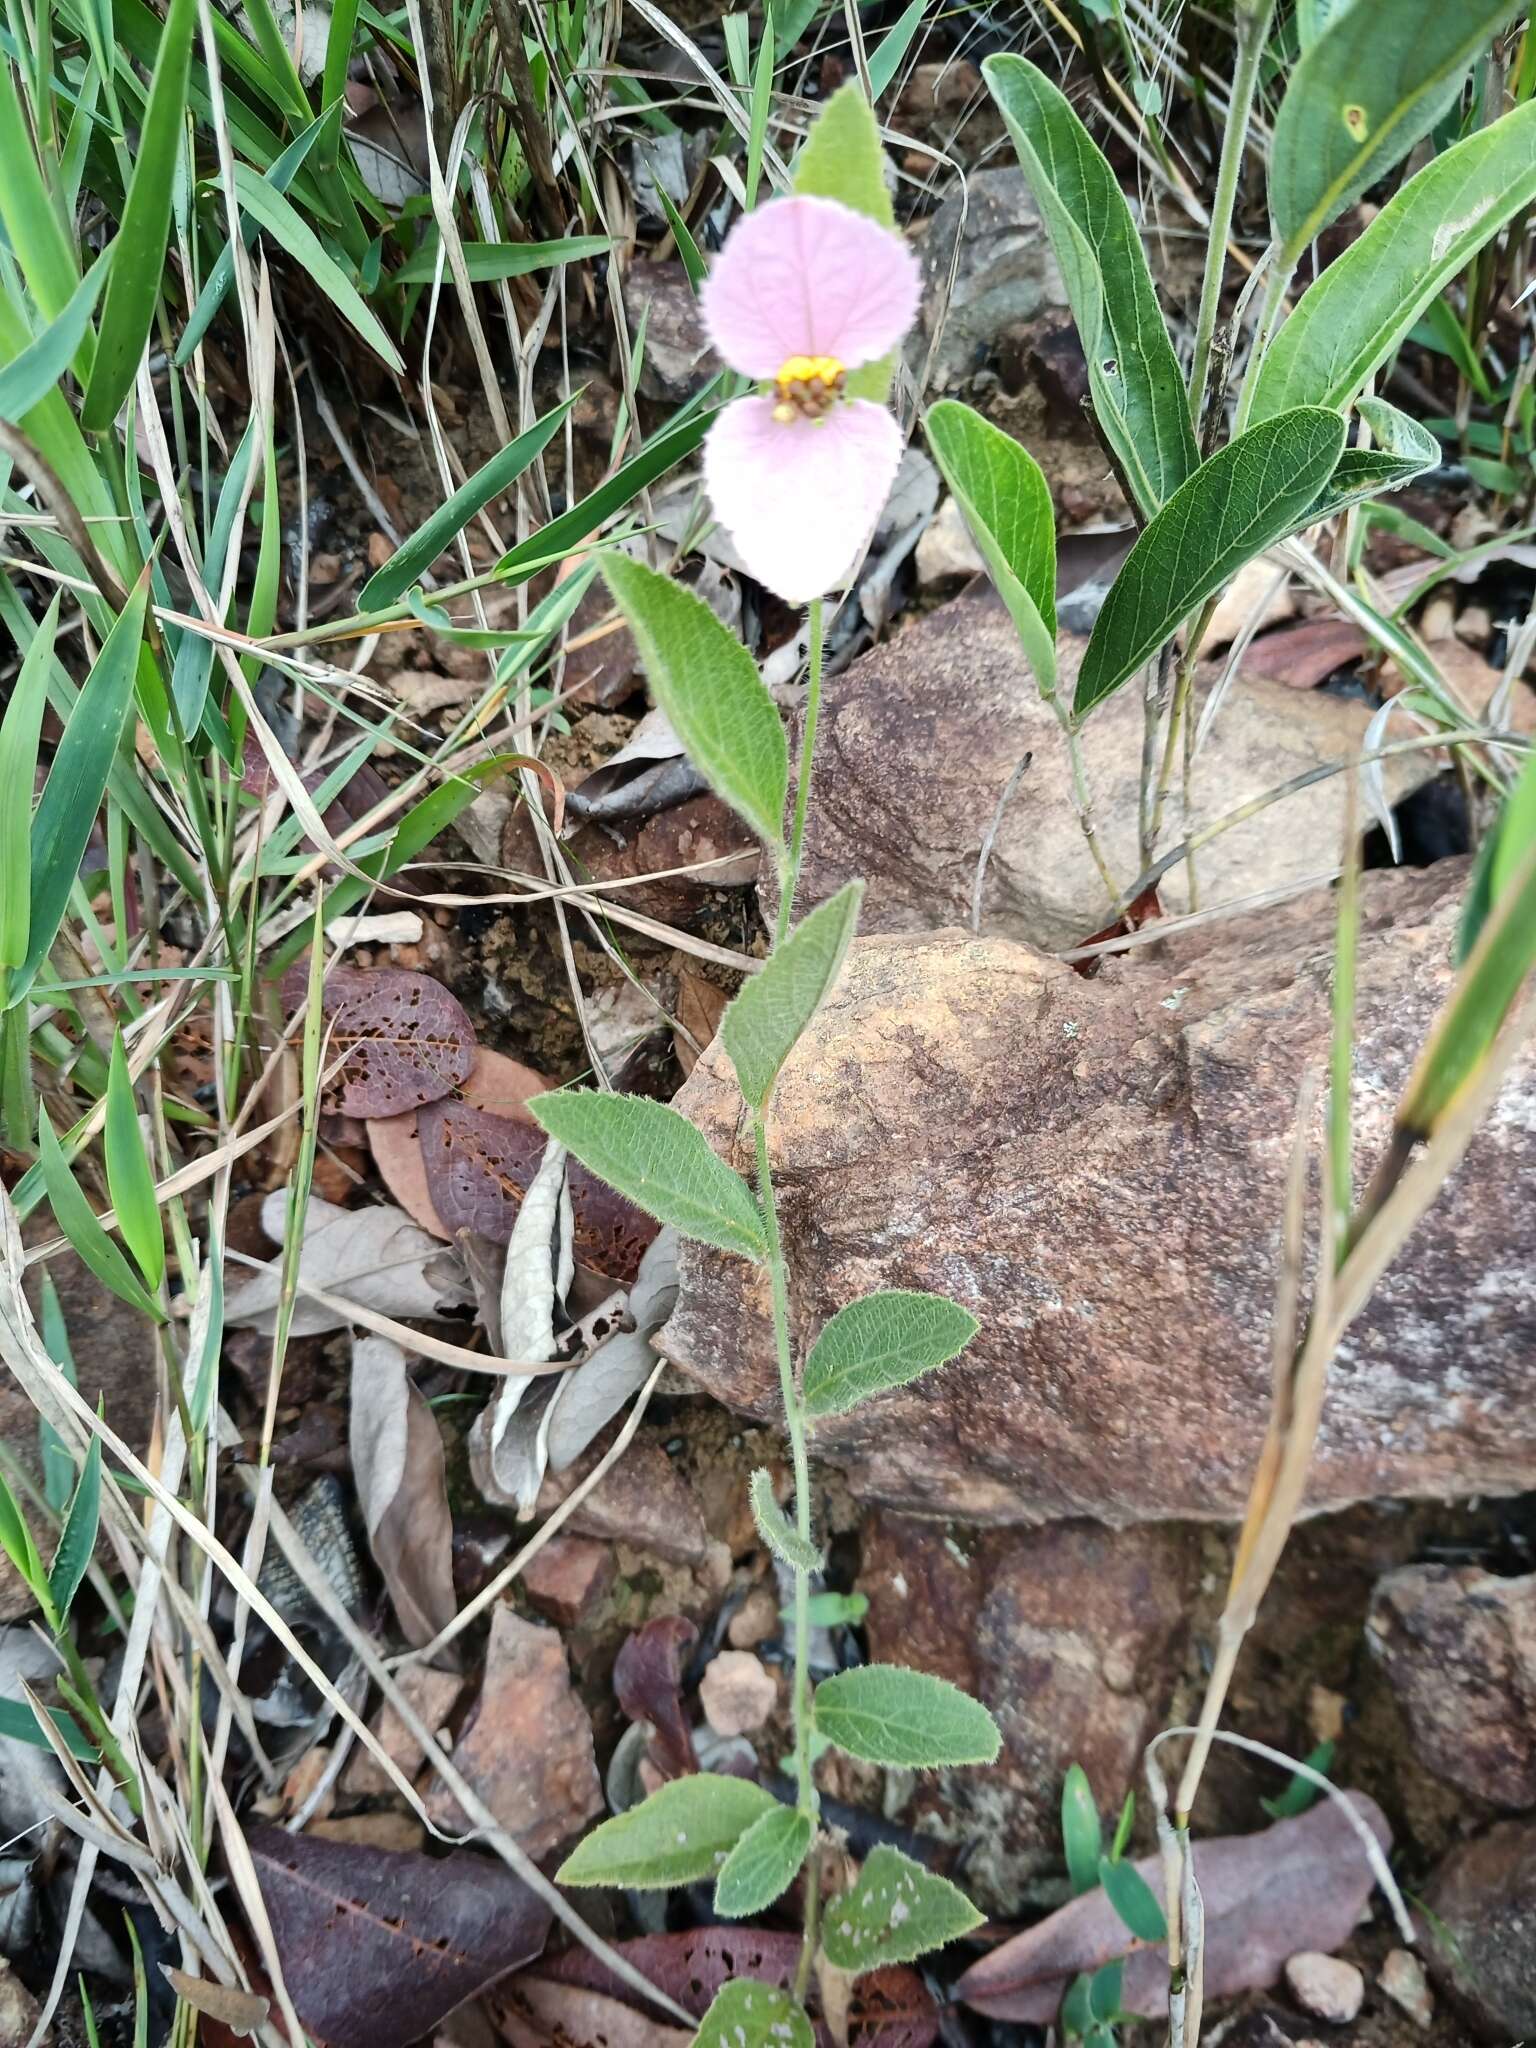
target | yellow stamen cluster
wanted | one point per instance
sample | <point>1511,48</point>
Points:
<point>808,387</point>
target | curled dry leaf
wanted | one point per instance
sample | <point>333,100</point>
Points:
<point>379,1945</point>
<point>242,2012</point>
<point>648,1685</point>
<point>402,1484</point>
<point>407,1041</point>
<point>537,1276</point>
<point>1300,1884</point>
<point>374,1257</point>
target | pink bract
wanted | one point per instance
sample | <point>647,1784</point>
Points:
<point>800,495</point>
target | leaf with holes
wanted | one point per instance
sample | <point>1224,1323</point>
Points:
<point>907,1719</point>
<point>680,1834</point>
<point>479,1167</point>
<point>407,1041</point>
<point>763,1864</point>
<point>896,1912</point>
<point>785,1541</point>
<point>885,1340</point>
<point>766,1019</point>
<point>380,1945</point>
<point>751,2015</point>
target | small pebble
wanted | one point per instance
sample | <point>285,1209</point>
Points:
<point>1438,620</point>
<point>1325,1986</point>
<point>737,1693</point>
<point>1403,1981</point>
<point>755,1621</point>
<point>1475,625</point>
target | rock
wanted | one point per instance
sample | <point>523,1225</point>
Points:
<point>1251,590</point>
<point>946,548</point>
<point>755,1621</point>
<point>644,1501</point>
<point>19,2010</point>
<point>1459,1647</point>
<point>1437,622</point>
<point>945,711</point>
<point>678,359</point>
<point>737,1693</point>
<point>434,1695</point>
<point>528,1748</point>
<point>1096,1168</point>
<point>1325,1986</point>
<point>1071,1635</point>
<point>1004,273</point>
<point>1402,1979</point>
<point>1475,625</point>
<point>1480,1907</point>
<point>567,1578</point>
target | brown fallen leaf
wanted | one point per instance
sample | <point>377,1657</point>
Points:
<point>375,1257</point>
<point>700,1006</point>
<point>378,1946</point>
<point>536,2012</point>
<point>407,1040</point>
<point>502,1085</point>
<point>1299,1884</point>
<point>1306,653</point>
<point>402,1485</point>
<point>241,2011</point>
<point>648,1684</point>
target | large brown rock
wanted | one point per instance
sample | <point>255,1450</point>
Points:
<point>1480,1914</point>
<point>1096,1168</point>
<point>919,737</point>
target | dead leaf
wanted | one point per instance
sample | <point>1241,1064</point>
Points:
<point>501,1085</point>
<point>648,1685</point>
<point>378,1946</point>
<point>241,2011</point>
<point>535,1283</point>
<point>1306,653</point>
<point>535,2012</point>
<point>1300,1884</point>
<point>374,1257</point>
<point>700,1006</point>
<point>401,1478</point>
<point>406,1039</point>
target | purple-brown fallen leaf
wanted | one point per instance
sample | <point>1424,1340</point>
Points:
<point>1299,1884</point>
<point>536,2012</point>
<point>891,2008</point>
<point>648,1684</point>
<point>407,1041</point>
<point>379,1945</point>
<point>479,1167</point>
<point>495,1083</point>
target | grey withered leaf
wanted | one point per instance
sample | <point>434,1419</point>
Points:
<point>407,1040</point>
<point>480,1165</point>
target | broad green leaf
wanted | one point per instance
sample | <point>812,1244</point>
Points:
<point>746,2014</point>
<point>896,1912</point>
<point>130,1179</point>
<point>1138,391</point>
<point>1313,16</point>
<point>19,730</point>
<point>408,563</point>
<point>655,1156</point>
<point>16,1541</point>
<point>78,1538</point>
<point>1401,450</point>
<point>18,1723</point>
<point>709,687</point>
<point>906,1719</point>
<point>1006,504</point>
<point>1245,498</point>
<point>287,227</point>
<point>885,1340</point>
<point>489,262</point>
<point>133,290</point>
<point>1364,92</point>
<point>844,158</point>
<point>82,762</point>
<point>80,1224</point>
<point>763,1864</point>
<point>1105,1988</point>
<point>28,378</point>
<point>1349,322</point>
<point>764,1022</point>
<point>1441,331</point>
<point>1133,1900</point>
<point>776,1530</point>
<point>1081,1836</point>
<point>680,1834</point>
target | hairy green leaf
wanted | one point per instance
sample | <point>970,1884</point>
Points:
<point>844,158</point>
<point>746,2014</point>
<point>1138,391</point>
<point>907,1719</point>
<point>709,687</point>
<point>763,1864</point>
<point>1006,504</point>
<point>764,1022</point>
<point>1347,324</point>
<point>776,1530</point>
<point>1245,498</point>
<point>896,1912</point>
<point>655,1156</point>
<point>18,1723</point>
<point>1373,82</point>
<point>885,1340</point>
<point>680,1834</point>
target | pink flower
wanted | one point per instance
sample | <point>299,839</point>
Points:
<point>804,291</point>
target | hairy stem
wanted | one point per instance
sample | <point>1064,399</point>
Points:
<point>791,874</point>
<point>1252,28</point>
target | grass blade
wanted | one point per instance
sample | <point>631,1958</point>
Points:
<point>294,234</point>
<point>28,378</point>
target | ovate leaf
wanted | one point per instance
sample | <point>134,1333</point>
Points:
<point>1081,1836</point>
<point>750,2015</point>
<point>776,1530</point>
<point>1401,450</point>
<point>764,1863</point>
<point>765,1020</point>
<point>1234,506</point>
<point>134,286</point>
<point>1138,391</point>
<point>1133,1899</point>
<point>906,1719</point>
<point>680,1834</point>
<point>896,1912</point>
<point>844,159</point>
<point>1373,82</point>
<point>1348,323</point>
<point>709,687</point>
<point>656,1157</point>
<point>885,1340</point>
<point>1006,504</point>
